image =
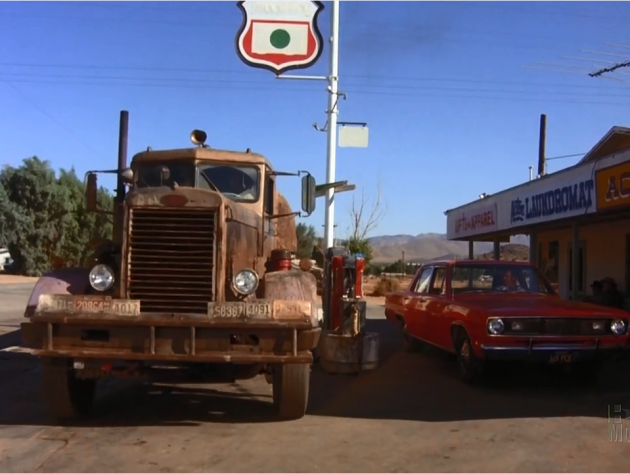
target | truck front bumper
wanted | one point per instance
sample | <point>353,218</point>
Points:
<point>97,327</point>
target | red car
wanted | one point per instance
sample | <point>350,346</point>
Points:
<point>485,311</point>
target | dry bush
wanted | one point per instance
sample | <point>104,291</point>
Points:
<point>384,286</point>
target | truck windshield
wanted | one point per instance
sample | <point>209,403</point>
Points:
<point>155,175</point>
<point>236,182</point>
<point>487,278</point>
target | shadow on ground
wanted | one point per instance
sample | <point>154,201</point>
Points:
<point>414,387</point>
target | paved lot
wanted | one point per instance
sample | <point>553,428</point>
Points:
<point>410,415</point>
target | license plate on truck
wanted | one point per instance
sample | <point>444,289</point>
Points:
<point>260,310</point>
<point>88,304</point>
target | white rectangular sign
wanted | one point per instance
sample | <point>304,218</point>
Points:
<point>548,199</point>
<point>476,220</point>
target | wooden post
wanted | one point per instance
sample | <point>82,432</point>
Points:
<point>403,263</point>
<point>542,140</point>
<point>471,250</point>
<point>575,254</point>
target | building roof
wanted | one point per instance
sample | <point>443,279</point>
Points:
<point>617,139</point>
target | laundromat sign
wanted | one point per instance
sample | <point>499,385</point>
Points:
<point>566,199</point>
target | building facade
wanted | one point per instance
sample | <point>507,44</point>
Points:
<point>584,207</point>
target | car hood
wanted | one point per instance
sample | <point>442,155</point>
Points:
<point>514,304</point>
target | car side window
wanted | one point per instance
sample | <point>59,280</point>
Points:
<point>437,286</point>
<point>422,285</point>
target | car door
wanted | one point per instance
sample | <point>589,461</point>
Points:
<point>437,327</point>
<point>415,306</point>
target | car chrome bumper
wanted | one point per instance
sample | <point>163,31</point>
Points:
<point>556,352</point>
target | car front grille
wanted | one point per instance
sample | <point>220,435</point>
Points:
<point>171,255</point>
<point>556,327</point>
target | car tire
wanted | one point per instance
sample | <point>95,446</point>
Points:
<point>291,385</point>
<point>410,343</point>
<point>471,369</point>
<point>66,395</point>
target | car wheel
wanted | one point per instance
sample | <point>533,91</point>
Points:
<point>471,369</point>
<point>410,343</point>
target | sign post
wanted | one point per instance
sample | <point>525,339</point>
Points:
<point>283,35</point>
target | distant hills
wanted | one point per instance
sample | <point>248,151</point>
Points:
<point>423,247</point>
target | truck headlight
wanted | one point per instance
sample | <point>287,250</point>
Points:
<point>495,326</point>
<point>246,282</point>
<point>101,277</point>
<point>618,326</point>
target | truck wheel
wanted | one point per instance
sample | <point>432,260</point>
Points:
<point>471,369</point>
<point>291,383</point>
<point>66,395</point>
<point>410,343</point>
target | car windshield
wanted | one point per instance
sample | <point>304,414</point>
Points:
<point>485,278</point>
<point>236,182</point>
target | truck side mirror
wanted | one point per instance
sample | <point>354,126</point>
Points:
<point>308,194</point>
<point>91,190</point>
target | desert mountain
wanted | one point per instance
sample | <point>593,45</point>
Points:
<point>422,247</point>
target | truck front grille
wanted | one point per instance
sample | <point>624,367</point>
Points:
<point>171,259</point>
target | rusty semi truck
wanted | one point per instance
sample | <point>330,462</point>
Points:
<point>196,283</point>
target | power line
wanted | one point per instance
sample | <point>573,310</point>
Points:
<point>287,89</point>
<point>35,104</point>
<point>249,73</point>
<point>349,84</point>
<point>610,69</point>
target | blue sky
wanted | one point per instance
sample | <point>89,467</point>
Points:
<point>452,110</point>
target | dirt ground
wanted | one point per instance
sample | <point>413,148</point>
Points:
<point>412,414</point>
<point>6,279</point>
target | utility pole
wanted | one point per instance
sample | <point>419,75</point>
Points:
<point>333,99</point>
<point>542,140</point>
<point>403,263</point>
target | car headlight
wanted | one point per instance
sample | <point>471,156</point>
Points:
<point>618,326</point>
<point>101,277</point>
<point>246,282</point>
<point>495,326</point>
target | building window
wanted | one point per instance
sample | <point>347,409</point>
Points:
<point>581,273</point>
<point>551,267</point>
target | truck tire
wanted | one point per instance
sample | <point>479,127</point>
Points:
<point>66,395</point>
<point>291,384</point>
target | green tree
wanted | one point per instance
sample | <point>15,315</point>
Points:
<point>43,219</point>
<point>306,238</point>
<point>360,246</point>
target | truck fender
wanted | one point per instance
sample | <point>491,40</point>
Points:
<point>62,281</point>
<point>293,285</point>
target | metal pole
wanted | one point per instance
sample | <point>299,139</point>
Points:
<point>332,124</point>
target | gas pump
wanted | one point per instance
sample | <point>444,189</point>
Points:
<point>344,346</point>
